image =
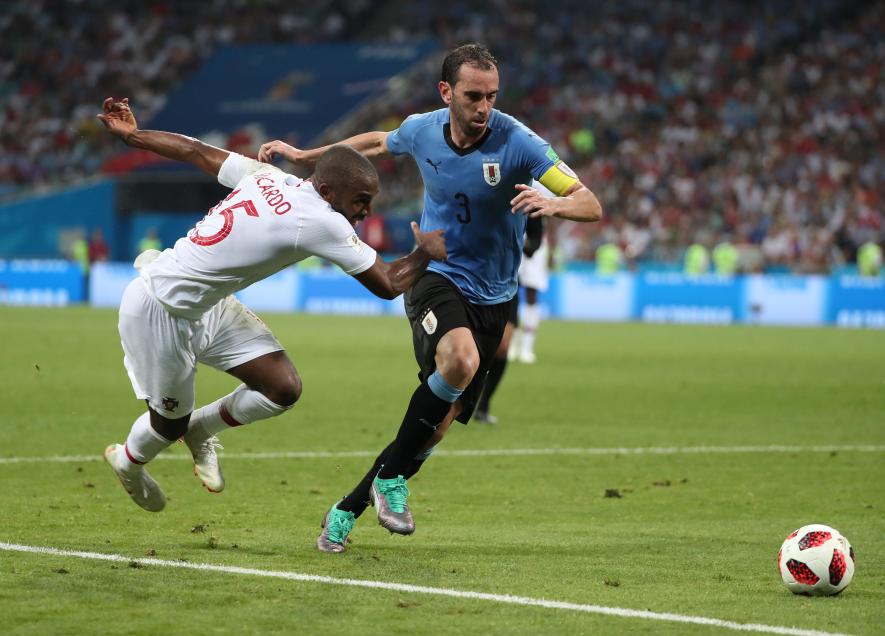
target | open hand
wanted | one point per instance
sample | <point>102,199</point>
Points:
<point>434,243</point>
<point>118,118</point>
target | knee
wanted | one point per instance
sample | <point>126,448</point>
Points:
<point>459,366</point>
<point>286,391</point>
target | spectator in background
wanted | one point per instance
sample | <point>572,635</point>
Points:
<point>80,251</point>
<point>609,259</point>
<point>869,259</point>
<point>697,259</point>
<point>150,241</point>
<point>98,247</point>
<point>374,234</point>
<point>725,258</point>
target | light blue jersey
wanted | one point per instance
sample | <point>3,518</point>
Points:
<point>467,193</point>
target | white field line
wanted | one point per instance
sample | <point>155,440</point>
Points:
<point>436,591</point>
<point>501,452</point>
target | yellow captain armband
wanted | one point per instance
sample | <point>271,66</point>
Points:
<point>559,178</point>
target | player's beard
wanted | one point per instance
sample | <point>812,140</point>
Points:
<point>465,123</point>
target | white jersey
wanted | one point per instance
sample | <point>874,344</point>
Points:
<point>533,269</point>
<point>270,221</point>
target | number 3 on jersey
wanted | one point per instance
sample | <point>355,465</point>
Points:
<point>228,214</point>
<point>464,202</point>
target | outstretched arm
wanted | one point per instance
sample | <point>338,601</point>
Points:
<point>370,144</point>
<point>120,121</point>
<point>389,280</point>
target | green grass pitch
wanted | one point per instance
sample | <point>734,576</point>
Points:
<point>692,533</point>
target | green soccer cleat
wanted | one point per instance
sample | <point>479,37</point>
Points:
<point>389,497</point>
<point>336,526</point>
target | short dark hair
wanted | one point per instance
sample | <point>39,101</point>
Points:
<point>471,54</point>
<point>340,165</point>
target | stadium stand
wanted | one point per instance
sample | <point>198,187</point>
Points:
<point>693,125</point>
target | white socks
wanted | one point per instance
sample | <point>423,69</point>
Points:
<point>531,318</point>
<point>144,443</point>
<point>243,406</point>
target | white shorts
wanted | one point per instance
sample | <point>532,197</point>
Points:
<point>161,351</point>
<point>533,270</point>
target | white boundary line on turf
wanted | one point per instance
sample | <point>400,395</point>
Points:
<point>436,591</point>
<point>501,452</point>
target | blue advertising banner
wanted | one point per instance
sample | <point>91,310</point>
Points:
<point>786,300</point>
<point>108,281</point>
<point>593,296</point>
<point>328,291</point>
<point>38,282</point>
<point>857,302</point>
<point>289,90</point>
<point>675,297</point>
<point>276,293</point>
<point>846,301</point>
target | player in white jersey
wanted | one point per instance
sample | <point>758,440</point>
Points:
<point>533,278</point>
<point>180,310</point>
<point>518,340</point>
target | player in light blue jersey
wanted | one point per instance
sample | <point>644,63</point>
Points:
<point>476,163</point>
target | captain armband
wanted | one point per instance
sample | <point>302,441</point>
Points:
<point>559,178</point>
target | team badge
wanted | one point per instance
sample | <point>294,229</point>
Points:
<point>170,404</point>
<point>354,241</point>
<point>429,322</point>
<point>491,172</point>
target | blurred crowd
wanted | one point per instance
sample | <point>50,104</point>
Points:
<point>760,126</point>
<point>60,58</point>
<point>757,126</point>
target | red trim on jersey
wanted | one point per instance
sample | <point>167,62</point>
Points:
<point>227,417</point>
<point>131,458</point>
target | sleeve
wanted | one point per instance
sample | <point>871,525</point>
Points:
<point>543,162</point>
<point>335,240</point>
<point>235,167</point>
<point>401,141</point>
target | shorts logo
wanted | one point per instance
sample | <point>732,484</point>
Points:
<point>170,404</point>
<point>491,172</point>
<point>429,322</point>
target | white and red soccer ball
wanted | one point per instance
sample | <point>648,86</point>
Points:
<point>816,560</point>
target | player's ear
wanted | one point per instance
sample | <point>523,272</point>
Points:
<point>445,91</point>
<point>325,191</point>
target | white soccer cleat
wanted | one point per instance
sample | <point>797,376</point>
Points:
<point>136,481</point>
<point>206,466</point>
<point>527,357</point>
<point>515,346</point>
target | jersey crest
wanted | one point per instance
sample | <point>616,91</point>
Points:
<point>491,172</point>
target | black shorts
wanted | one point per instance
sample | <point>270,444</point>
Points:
<point>434,307</point>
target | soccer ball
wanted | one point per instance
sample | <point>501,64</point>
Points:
<point>816,560</point>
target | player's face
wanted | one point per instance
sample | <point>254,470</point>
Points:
<point>354,201</point>
<point>471,99</point>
